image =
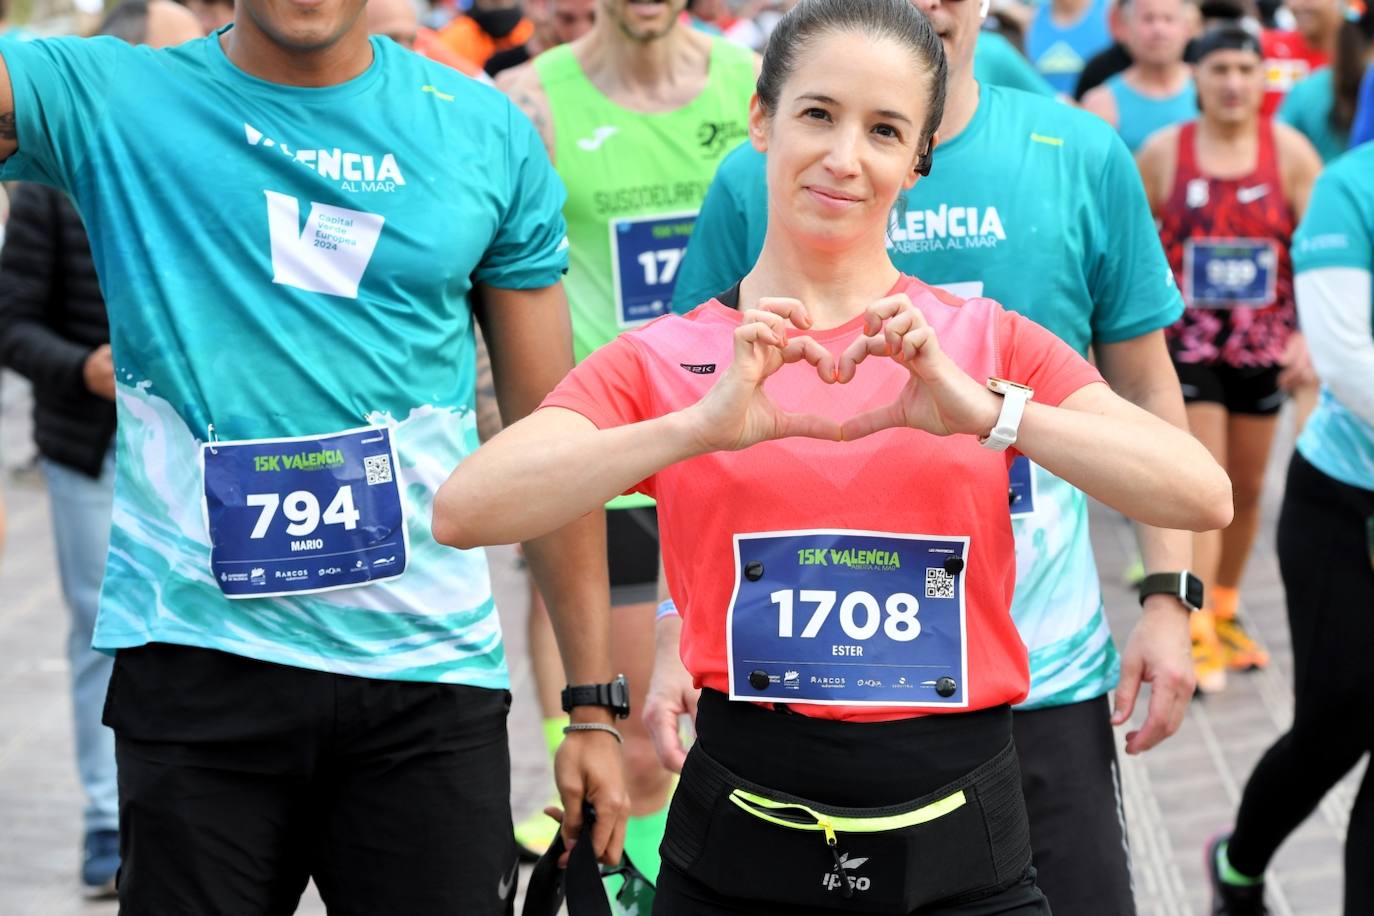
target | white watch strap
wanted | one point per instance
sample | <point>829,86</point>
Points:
<point>1014,398</point>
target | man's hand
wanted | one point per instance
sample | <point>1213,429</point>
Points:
<point>671,695</point>
<point>590,767</point>
<point>1157,652</point>
<point>98,372</point>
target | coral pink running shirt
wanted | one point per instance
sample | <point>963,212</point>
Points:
<point>897,483</point>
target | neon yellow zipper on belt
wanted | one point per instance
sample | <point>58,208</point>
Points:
<point>829,823</point>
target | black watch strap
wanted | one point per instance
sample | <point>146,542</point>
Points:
<point>615,696</point>
<point>1184,586</point>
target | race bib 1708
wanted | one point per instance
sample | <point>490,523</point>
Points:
<point>306,514</point>
<point>853,618</point>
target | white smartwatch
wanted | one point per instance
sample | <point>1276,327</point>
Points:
<point>1014,398</point>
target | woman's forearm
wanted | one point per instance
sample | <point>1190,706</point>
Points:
<point>1128,459</point>
<point>548,469</point>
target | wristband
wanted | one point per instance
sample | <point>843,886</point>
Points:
<point>666,609</point>
<point>593,727</point>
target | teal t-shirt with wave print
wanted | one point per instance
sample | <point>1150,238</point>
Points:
<point>1338,231</point>
<point>281,261</point>
<point>1039,206</point>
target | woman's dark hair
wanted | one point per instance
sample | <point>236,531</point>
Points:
<point>1352,45</point>
<point>897,20</point>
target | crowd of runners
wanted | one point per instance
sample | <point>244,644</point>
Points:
<point>789,338</point>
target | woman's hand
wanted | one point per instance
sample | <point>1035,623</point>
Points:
<point>736,413</point>
<point>938,398</point>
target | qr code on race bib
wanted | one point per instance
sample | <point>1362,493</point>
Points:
<point>939,584</point>
<point>378,469</point>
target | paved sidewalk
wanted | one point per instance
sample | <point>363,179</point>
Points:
<point>1176,796</point>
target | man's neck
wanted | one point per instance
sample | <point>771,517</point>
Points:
<point>1162,78</point>
<point>961,103</point>
<point>612,59</point>
<point>1323,40</point>
<point>253,52</point>
<point>1228,132</point>
<point>835,285</point>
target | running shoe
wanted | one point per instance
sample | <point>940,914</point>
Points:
<point>1209,656</point>
<point>100,862</point>
<point>1231,899</point>
<point>1243,653</point>
<point>535,833</point>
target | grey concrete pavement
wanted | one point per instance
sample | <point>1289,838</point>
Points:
<point>1176,796</point>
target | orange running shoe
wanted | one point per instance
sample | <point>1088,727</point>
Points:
<point>1243,653</point>
<point>1209,655</point>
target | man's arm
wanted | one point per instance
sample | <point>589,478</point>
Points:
<point>9,133</point>
<point>529,338</point>
<point>1102,103</point>
<point>1140,371</point>
<point>523,87</point>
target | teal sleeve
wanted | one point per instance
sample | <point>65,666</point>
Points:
<point>1133,288</point>
<point>1291,108</point>
<point>729,230</point>
<point>996,62</point>
<point>1338,229</point>
<point>62,88</point>
<point>530,250</point>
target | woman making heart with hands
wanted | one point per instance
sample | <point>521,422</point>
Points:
<point>828,446</point>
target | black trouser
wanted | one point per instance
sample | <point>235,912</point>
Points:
<point>1072,785</point>
<point>1328,574</point>
<point>718,862</point>
<point>239,780</point>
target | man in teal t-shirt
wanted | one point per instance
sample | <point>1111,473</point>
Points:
<point>1038,206</point>
<point>294,229</point>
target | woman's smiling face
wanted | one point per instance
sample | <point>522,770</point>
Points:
<point>845,137</point>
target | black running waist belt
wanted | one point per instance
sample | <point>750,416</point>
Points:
<point>903,758</point>
<point>966,840</point>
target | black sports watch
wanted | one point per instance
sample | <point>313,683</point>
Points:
<point>1184,586</point>
<point>615,696</point>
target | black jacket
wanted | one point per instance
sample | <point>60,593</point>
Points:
<point>52,316</point>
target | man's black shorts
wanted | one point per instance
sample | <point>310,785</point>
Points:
<point>632,546</point>
<point>240,779</point>
<point>1072,785</point>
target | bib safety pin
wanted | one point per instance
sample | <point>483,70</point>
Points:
<point>211,438</point>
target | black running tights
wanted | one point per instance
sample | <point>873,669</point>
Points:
<point>1328,573</point>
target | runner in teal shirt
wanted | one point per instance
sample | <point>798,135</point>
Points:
<point>247,262</point>
<point>1039,206</point>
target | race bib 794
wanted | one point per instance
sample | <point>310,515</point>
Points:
<point>304,514</point>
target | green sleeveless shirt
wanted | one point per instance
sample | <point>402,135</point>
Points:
<point>635,182</point>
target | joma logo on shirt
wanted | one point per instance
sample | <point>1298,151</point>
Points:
<point>354,171</point>
<point>945,228</point>
<point>854,559</point>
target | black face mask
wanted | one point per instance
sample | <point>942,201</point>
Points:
<point>497,23</point>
